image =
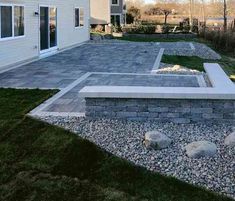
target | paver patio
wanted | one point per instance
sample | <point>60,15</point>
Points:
<point>111,63</point>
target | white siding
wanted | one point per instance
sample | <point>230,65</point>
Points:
<point>17,50</point>
<point>100,11</point>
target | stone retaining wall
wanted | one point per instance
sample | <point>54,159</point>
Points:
<point>157,35</point>
<point>163,110</point>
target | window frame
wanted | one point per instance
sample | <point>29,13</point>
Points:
<point>79,26</point>
<point>13,21</point>
<point>118,3</point>
<point>116,14</point>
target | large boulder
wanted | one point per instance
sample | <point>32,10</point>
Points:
<point>156,140</point>
<point>200,149</point>
<point>230,140</point>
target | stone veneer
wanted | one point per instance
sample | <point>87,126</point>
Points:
<point>163,110</point>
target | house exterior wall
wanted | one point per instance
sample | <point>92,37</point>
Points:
<point>118,10</point>
<point>17,50</point>
<point>100,12</point>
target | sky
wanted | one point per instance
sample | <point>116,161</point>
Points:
<point>149,1</point>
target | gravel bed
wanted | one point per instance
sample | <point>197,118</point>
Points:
<point>205,52</point>
<point>125,139</point>
<point>200,50</point>
<point>177,69</point>
<point>173,48</point>
<point>181,70</point>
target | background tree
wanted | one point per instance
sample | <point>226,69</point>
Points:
<point>159,11</point>
<point>129,18</point>
<point>191,12</point>
<point>225,15</point>
<point>135,13</point>
<point>166,12</point>
<point>153,11</point>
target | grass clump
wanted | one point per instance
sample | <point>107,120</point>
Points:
<point>41,162</point>
<point>194,62</point>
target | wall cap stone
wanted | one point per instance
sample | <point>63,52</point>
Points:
<point>223,89</point>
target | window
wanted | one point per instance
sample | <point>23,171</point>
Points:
<point>115,2</point>
<point>116,20</point>
<point>79,17</point>
<point>11,21</point>
<point>19,21</point>
<point>6,21</point>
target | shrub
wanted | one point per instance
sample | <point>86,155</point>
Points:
<point>216,39</point>
<point>99,28</point>
<point>146,29</point>
<point>195,29</point>
<point>116,29</point>
<point>129,18</point>
<point>149,29</point>
<point>221,40</point>
<point>209,35</point>
<point>131,30</point>
<point>165,29</point>
<point>186,28</point>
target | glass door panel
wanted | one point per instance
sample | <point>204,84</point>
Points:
<point>44,29</point>
<point>53,27</point>
<point>48,28</point>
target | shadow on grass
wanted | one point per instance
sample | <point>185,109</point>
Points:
<point>42,162</point>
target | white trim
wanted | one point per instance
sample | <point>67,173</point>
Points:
<point>156,92</point>
<point>223,89</point>
<point>157,62</point>
<point>192,46</point>
<point>48,52</point>
<point>58,114</point>
<point>201,81</point>
<point>118,3</point>
<point>50,49</point>
<point>48,102</point>
<point>158,74</point>
<point>13,37</point>
<point>116,14</point>
<point>79,26</point>
<point>218,77</point>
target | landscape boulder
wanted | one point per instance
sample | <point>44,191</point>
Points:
<point>200,149</point>
<point>156,140</point>
<point>230,140</point>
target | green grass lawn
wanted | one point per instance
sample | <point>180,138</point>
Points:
<point>196,63</point>
<point>40,162</point>
<point>190,62</point>
<point>227,61</point>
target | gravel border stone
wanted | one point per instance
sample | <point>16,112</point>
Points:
<point>125,139</point>
<point>177,69</point>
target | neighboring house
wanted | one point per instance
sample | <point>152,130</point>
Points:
<point>100,12</point>
<point>29,29</point>
<point>104,12</point>
<point>117,12</point>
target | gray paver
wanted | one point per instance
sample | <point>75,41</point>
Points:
<point>118,80</point>
<point>61,70</point>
